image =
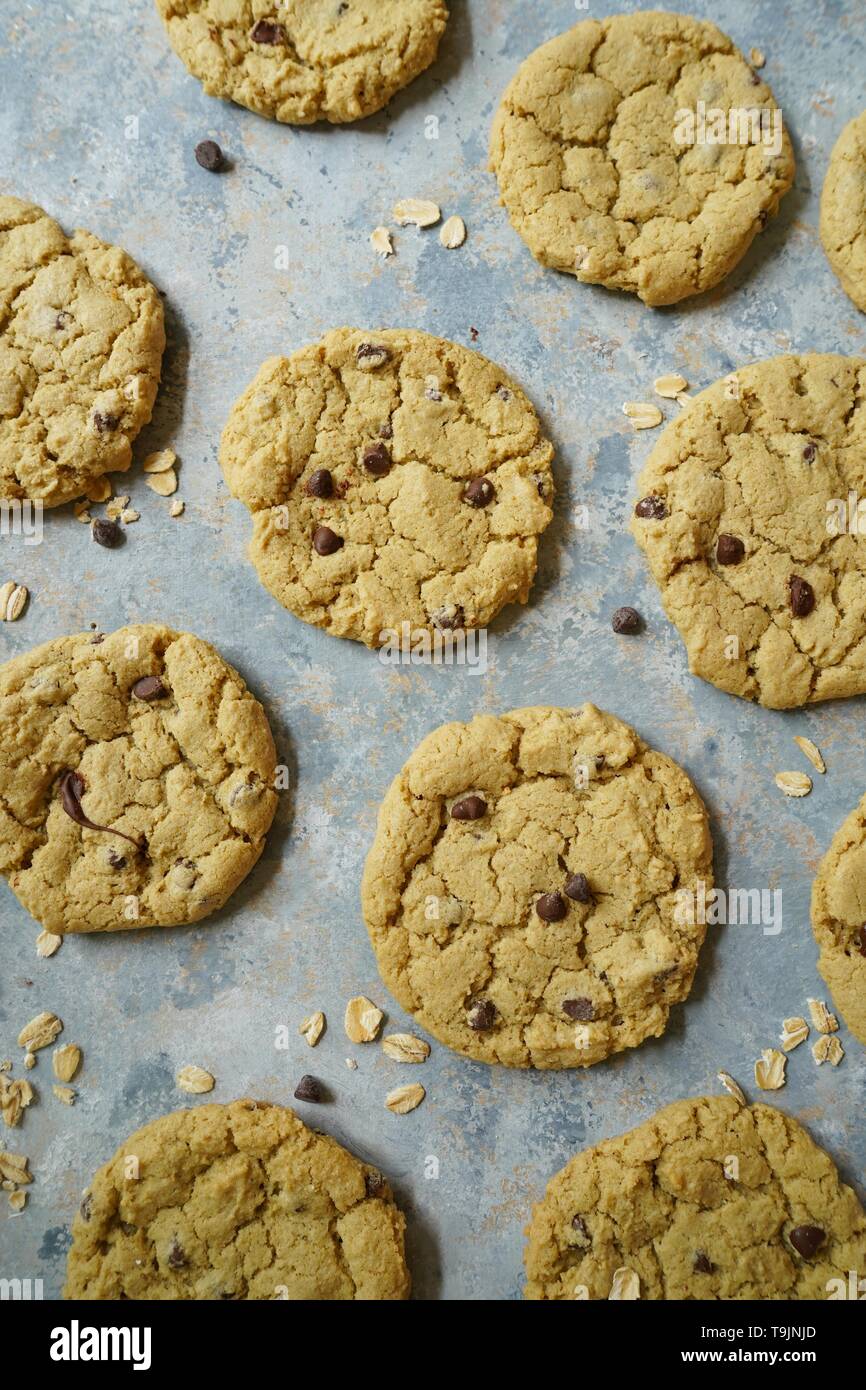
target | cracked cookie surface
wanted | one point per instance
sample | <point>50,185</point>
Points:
<point>744,515</point>
<point>238,1201</point>
<point>152,737</point>
<point>523,891</point>
<point>839,919</point>
<point>590,169</point>
<point>81,343</point>
<point>393,478</point>
<point>843,210</point>
<point>300,61</point>
<point>663,1202</point>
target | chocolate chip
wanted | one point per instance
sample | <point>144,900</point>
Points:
<point>209,155</point>
<point>369,356</point>
<point>107,533</point>
<point>117,861</point>
<point>448,618</point>
<point>374,1183</point>
<point>807,1240</point>
<point>469,808</point>
<point>578,888</point>
<point>72,788</point>
<point>579,1010</point>
<point>801,595</point>
<point>310,1089</point>
<point>860,940</point>
<point>729,550</point>
<point>503,393</point>
<point>61,320</point>
<point>482,1016</point>
<point>320,483</point>
<point>128,1228</point>
<point>176,1255</point>
<point>479,493</point>
<point>651,508</point>
<point>376,459</point>
<point>626,621</point>
<point>105,423</point>
<point>702,1263</point>
<point>326,541</point>
<point>433,393</point>
<point>265,31</point>
<point>551,907</point>
<point>386,430</point>
<point>578,1225</point>
<point>149,688</point>
<point>473,334</point>
<point>85,1211</point>
<point>809,453</point>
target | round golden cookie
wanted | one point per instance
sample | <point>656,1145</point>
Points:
<point>745,516</point>
<point>606,148</point>
<point>839,919</point>
<point>843,210</point>
<point>394,478</point>
<point>530,890</point>
<point>707,1200</point>
<point>81,342</point>
<point>300,61</point>
<point>137,774</point>
<point>237,1201</point>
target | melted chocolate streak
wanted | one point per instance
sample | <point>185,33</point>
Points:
<point>71,792</point>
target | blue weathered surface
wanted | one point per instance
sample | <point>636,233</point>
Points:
<point>75,80</point>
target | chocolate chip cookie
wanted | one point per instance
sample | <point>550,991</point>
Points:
<point>393,478</point>
<point>137,774</point>
<point>843,210</point>
<point>839,919</point>
<point>305,60</point>
<point>530,890</point>
<point>745,513</point>
<point>237,1201</point>
<point>642,153</point>
<point>707,1200</point>
<point>81,342</point>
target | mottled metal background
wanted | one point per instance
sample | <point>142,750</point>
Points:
<point>75,78</point>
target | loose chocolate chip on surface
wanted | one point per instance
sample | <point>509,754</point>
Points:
<point>801,595</point>
<point>551,907</point>
<point>309,1088</point>
<point>105,423</point>
<point>479,493</point>
<point>729,550</point>
<point>809,452</point>
<point>807,1240</point>
<point>702,1263</point>
<point>580,1010</point>
<point>209,155</point>
<point>326,541</point>
<point>107,533</point>
<point>578,888</point>
<point>469,808</point>
<point>651,508</point>
<point>377,460</point>
<point>860,940</point>
<point>176,1256</point>
<point>320,483</point>
<point>481,1016</point>
<point>626,621</point>
<point>265,31</point>
<point>149,688</point>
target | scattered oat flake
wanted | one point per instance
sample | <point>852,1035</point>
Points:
<point>99,491</point>
<point>159,462</point>
<point>416,211</point>
<point>129,515</point>
<point>756,58</point>
<point>403,1047</point>
<point>824,1021</point>
<point>15,1096</point>
<point>312,1028</point>
<point>47,943</point>
<point>643,416</point>
<point>163,484</point>
<point>671,386</point>
<point>806,746</point>
<point>362,1020</point>
<point>195,1080</point>
<point>65,1094</point>
<point>115,507</point>
<point>351,1064</point>
<point>66,1060</point>
<point>405,1098</point>
<point>30,1061</point>
<point>625,1285</point>
<point>770,1069</point>
<point>794,1032</point>
<point>17,1200</point>
<point>176,508</point>
<point>731,1086</point>
<point>380,240</point>
<point>80,511</point>
<point>13,1168</point>
<point>793,783</point>
<point>13,598</point>
<point>40,1032</point>
<point>828,1049</point>
<point>452,233</point>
